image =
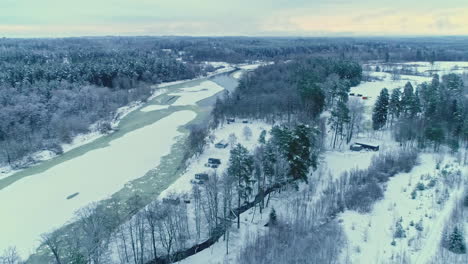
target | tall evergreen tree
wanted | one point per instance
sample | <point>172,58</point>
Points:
<point>456,242</point>
<point>407,99</point>
<point>380,112</point>
<point>241,167</point>
<point>394,107</point>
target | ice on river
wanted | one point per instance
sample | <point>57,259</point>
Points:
<point>190,96</point>
<point>38,204</point>
<point>150,108</point>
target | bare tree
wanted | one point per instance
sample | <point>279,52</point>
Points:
<point>247,133</point>
<point>10,256</point>
<point>93,225</point>
<point>356,117</point>
<point>228,186</point>
<point>54,243</point>
<point>232,140</point>
<point>197,205</point>
<point>211,201</point>
<point>152,217</point>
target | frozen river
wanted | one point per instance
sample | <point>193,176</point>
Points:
<point>34,201</point>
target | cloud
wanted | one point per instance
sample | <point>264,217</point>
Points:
<point>227,17</point>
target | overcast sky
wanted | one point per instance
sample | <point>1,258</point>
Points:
<point>58,18</point>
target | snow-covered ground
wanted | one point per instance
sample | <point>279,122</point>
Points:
<point>197,164</point>
<point>370,236</point>
<point>372,89</point>
<point>439,67</point>
<point>38,204</point>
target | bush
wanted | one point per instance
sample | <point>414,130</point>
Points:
<point>361,198</point>
<point>420,186</point>
<point>419,226</point>
<point>465,202</point>
<point>364,190</point>
<point>399,231</point>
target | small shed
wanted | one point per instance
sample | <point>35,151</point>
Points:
<point>171,201</point>
<point>221,145</point>
<point>369,146</point>
<point>201,176</point>
<point>214,161</point>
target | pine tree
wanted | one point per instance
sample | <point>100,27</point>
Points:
<point>262,137</point>
<point>380,112</point>
<point>394,107</point>
<point>407,99</point>
<point>299,154</point>
<point>456,242</point>
<point>241,167</point>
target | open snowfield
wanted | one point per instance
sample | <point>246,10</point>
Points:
<point>192,95</point>
<point>370,236</point>
<point>197,165</point>
<point>439,67</point>
<point>372,89</point>
<point>40,202</point>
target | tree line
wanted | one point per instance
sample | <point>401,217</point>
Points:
<point>431,114</point>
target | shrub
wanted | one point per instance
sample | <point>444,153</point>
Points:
<point>420,186</point>
<point>361,197</point>
<point>419,226</point>
<point>399,231</point>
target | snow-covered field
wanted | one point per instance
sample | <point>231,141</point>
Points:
<point>370,236</point>
<point>439,67</point>
<point>39,204</point>
<point>196,165</point>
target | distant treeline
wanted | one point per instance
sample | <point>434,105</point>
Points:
<point>235,49</point>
